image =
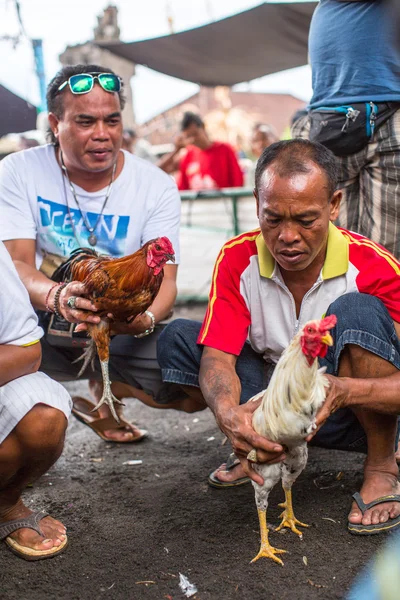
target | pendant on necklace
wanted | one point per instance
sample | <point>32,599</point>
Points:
<point>92,239</point>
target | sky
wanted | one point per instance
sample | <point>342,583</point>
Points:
<point>67,22</point>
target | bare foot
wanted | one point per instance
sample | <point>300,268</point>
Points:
<point>377,483</point>
<point>397,455</point>
<point>54,532</point>
<point>119,435</point>
<point>230,476</point>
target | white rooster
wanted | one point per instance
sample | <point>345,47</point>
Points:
<point>287,415</point>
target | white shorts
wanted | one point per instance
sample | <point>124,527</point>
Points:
<point>19,396</point>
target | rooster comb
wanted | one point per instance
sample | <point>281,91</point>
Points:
<point>328,323</point>
<point>164,242</point>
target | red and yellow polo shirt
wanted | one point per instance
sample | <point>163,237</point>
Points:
<point>249,299</point>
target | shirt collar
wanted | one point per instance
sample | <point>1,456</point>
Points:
<point>336,260</point>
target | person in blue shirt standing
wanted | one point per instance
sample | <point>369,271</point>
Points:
<point>355,112</point>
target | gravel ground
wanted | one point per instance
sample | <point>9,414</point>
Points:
<point>134,528</point>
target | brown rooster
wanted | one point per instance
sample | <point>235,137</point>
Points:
<point>124,287</point>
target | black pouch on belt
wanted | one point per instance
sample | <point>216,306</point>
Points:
<point>348,129</point>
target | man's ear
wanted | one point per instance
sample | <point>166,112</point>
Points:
<point>53,122</point>
<point>335,204</point>
<point>255,194</point>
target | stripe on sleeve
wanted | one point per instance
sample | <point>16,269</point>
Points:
<point>244,237</point>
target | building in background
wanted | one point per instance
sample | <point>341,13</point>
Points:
<point>229,116</point>
<point>91,52</point>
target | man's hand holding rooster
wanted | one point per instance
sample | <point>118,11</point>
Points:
<point>237,425</point>
<point>337,396</point>
<point>82,312</point>
<point>138,325</point>
<point>134,327</point>
<point>220,387</point>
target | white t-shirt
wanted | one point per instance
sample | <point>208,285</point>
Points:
<point>18,321</point>
<point>144,203</point>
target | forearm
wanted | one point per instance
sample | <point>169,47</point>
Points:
<point>16,361</point>
<point>166,163</point>
<point>37,284</point>
<point>221,390</point>
<point>41,288</point>
<point>376,394</point>
<point>165,300</point>
<point>23,252</point>
<point>219,385</point>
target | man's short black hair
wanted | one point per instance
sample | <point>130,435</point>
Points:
<point>292,156</point>
<point>54,98</point>
<point>190,118</point>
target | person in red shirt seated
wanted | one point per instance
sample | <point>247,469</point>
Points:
<point>207,165</point>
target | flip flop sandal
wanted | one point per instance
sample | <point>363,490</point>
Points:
<point>231,463</point>
<point>360,529</point>
<point>82,411</point>
<point>31,522</point>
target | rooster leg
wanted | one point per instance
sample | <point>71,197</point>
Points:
<point>288,518</point>
<point>296,460</point>
<point>266,550</point>
<point>108,397</point>
<point>100,333</point>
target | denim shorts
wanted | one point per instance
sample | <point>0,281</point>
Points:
<point>363,320</point>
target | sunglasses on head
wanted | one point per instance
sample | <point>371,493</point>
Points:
<point>84,82</point>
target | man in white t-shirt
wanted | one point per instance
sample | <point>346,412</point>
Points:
<point>83,190</point>
<point>34,411</point>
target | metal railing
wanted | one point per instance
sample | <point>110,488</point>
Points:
<point>231,194</point>
<point>209,219</point>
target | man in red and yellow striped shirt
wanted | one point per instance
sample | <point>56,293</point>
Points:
<point>266,284</point>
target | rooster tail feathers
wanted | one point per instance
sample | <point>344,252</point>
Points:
<point>64,271</point>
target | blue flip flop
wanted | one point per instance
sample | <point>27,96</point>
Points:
<point>360,529</point>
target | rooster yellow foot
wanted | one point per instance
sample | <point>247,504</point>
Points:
<point>289,520</point>
<point>267,551</point>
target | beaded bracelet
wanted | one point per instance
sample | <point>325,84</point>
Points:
<point>46,302</point>
<point>57,300</point>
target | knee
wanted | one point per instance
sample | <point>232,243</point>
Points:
<point>176,339</point>
<point>358,311</point>
<point>42,429</point>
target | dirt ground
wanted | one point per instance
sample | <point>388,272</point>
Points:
<point>134,528</point>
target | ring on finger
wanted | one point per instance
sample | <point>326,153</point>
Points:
<point>71,302</point>
<point>252,456</point>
